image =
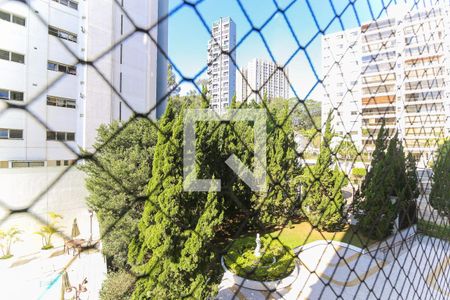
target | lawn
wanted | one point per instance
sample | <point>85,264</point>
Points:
<point>303,233</point>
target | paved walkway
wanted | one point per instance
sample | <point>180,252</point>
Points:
<point>328,271</point>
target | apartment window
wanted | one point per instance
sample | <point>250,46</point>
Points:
<point>121,53</point>
<point>16,96</point>
<point>68,3</point>
<point>61,102</point>
<point>121,24</point>
<point>12,56</point>
<point>19,58</point>
<point>18,20</point>
<point>58,67</point>
<point>60,136</point>
<point>12,18</point>
<point>27,164</point>
<point>11,134</point>
<point>11,95</point>
<point>63,34</point>
<point>120,82</point>
<point>70,136</point>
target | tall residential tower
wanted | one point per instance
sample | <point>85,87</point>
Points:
<point>265,77</point>
<point>222,64</point>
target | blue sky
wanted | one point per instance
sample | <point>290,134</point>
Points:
<point>188,36</point>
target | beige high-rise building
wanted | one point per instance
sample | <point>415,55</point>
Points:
<point>264,77</point>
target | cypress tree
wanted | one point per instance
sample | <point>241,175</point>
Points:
<point>323,202</point>
<point>440,189</point>
<point>280,202</point>
<point>376,209</point>
<point>169,256</point>
<point>408,208</point>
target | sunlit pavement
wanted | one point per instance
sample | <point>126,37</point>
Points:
<point>327,271</point>
<point>37,276</point>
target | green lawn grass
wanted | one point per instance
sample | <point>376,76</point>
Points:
<point>303,233</point>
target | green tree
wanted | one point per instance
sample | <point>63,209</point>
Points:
<point>347,151</point>
<point>281,201</point>
<point>412,179</point>
<point>408,206</point>
<point>117,286</point>
<point>173,252</point>
<point>116,182</point>
<point>323,202</point>
<point>377,155</point>
<point>440,189</point>
<point>172,81</point>
<point>383,189</point>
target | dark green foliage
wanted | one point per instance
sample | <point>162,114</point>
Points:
<point>241,260</point>
<point>117,182</point>
<point>408,206</point>
<point>172,85</point>
<point>173,254</point>
<point>440,231</point>
<point>388,191</point>
<point>411,177</point>
<point>281,202</point>
<point>117,286</point>
<point>440,189</point>
<point>323,202</point>
<point>373,208</point>
<point>307,115</point>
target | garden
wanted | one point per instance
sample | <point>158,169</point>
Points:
<point>278,259</point>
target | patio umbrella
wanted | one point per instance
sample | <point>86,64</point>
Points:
<point>65,284</point>
<point>75,229</point>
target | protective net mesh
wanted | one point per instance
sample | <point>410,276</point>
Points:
<point>340,218</point>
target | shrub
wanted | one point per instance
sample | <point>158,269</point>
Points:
<point>117,286</point>
<point>276,261</point>
<point>359,172</point>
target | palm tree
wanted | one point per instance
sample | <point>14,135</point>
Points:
<point>48,230</point>
<point>7,239</point>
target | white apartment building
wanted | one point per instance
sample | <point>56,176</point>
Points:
<point>341,69</point>
<point>222,64</point>
<point>51,103</point>
<point>262,78</point>
<point>398,68</point>
<point>40,51</point>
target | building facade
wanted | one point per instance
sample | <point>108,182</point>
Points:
<point>265,78</point>
<point>222,64</point>
<point>51,104</point>
<point>398,68</point>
